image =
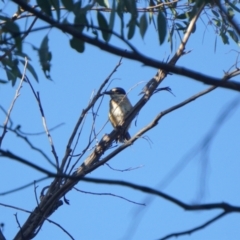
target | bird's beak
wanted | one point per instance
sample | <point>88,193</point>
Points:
<point>106,92</point>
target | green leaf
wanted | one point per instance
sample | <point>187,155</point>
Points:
<point>224,38</point>
<point>45,6</point>
<point>180,27</point>
<point>230,12</point>
<point>56,5</point>
<point>112,17</point>
<point>10,66</point>
<point>94,31</point>
<point>131,7</point>
<point>30,69</point>
<point>233,35</point>
<point>170,38</point>
<point>68,4</point>
<point>7,62</point>
<point>182,16</point>
<point>174,7</point>
<point>3,81</point>
<point>103,3</point>
<point>120,11</point>
<point>45,57</point>
<point>151,4</point>
<point>215,13</point>
<point>233,6</point>
<point>102,22</point>
<point>162,27</point>
<point>12,28</point>
<point>215,44</point>
<point>131,25</point>
<point>143,24</point>
<point>16,71</point>
<point>217,22</point>
<point>77,44</point>
<point>22,54</point>
<point>10,75</point>
<point>13,74</point>
<point>77,7</point>
<point>80,21</point>
<point>150,17</point>
<point>193,13</point>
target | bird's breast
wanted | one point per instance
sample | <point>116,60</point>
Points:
<point>118,112</point>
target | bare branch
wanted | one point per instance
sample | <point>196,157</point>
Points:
<point>18,223</point>
<point>109,194</point>
<point>22,187</point>
<point>24,210</point>
<point>61,227</point>
<point>17,132</point>
<point>12,104</point>
<point>38,133</point>
<point>124,170</point>
<point>10,155</point>
<point>1,235</point>
<point>35,192</point>
<point>199,207</point>
<point>188,232</point>
<point>37,96</point>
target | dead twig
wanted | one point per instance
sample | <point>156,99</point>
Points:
<point>13,102</point>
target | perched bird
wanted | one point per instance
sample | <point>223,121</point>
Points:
<point>119,107</point>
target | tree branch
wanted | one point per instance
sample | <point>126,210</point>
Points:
<point>12,104</point>
<point>188,232</point>
<point>130,55</point>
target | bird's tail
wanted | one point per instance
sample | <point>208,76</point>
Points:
<point>124,137</point>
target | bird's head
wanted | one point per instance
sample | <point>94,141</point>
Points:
<point>116,92</point>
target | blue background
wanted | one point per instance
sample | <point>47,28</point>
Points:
<point>211,174</point>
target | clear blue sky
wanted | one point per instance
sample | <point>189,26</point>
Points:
<point>211,176</point>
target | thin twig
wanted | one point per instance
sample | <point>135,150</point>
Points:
<point>109,194</point>
<point>18,133</point>
<point>124,170</point>
<point>62,228</point>
<point>188,232</point>
<point>49,220</point>
<point>39,133</point>
<point>37,96</point>
<point>22,187</point>
<point>35,192</point>
<point>1,234</point>
<point>18,223</point>
<point>13,102</point>
<point>9,120</point>
<point>188,207</point>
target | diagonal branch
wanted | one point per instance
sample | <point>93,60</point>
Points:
<point>12,104</point>
<point>188,232</point>
<point>37,97</point>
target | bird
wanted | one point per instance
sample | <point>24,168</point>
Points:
<point>119,107</point>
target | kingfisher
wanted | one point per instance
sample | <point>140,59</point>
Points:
<point>119,107</point>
